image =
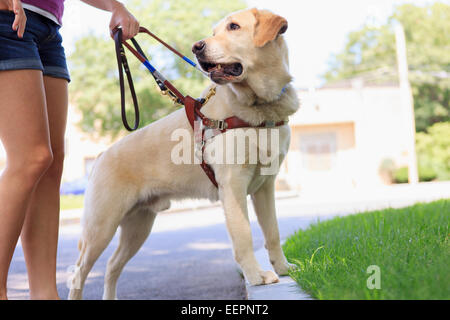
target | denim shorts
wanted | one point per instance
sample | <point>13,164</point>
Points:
<point>39,49</point>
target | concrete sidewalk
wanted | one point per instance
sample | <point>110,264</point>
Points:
<point>286,289</point>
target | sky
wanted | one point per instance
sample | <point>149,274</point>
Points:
<point>317,28</point>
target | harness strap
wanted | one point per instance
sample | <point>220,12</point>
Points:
<point>235,123</point>
<point>193,114</point>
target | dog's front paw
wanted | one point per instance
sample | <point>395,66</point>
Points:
<point>283,267</point>
<point>262,278</point>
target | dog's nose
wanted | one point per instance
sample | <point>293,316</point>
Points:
<point>199,47</point>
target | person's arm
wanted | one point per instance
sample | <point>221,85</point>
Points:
<point>21,19</point>
<point>121,17</point>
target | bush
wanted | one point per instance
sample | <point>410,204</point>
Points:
<point>426,174</point>
<point>433,150</point>
<point>401,175</point>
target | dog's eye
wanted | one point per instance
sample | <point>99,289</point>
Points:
<point>233,26</point>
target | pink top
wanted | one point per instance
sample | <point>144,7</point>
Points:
<point>55,7</point>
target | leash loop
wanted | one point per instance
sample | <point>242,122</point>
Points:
<point>122,63</point>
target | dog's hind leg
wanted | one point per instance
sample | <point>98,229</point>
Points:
<point>90,250</point>
<point>134,230</point>
<point>100,222</point>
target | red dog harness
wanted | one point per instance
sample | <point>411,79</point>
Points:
<point>194,113</point>
<point>191,105</point>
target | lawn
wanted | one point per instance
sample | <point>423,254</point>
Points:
<point>72,202</point>
<point>410,246</point>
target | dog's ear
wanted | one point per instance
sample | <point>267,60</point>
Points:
<point>268,26</point>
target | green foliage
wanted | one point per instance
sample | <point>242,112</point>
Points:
<point>95,88</point>
<point>433,149</point>
<point>371,52</point>
<point>433,154</point>
<point>409,245</point>
<point>401,175</point>
<point>426,174</point>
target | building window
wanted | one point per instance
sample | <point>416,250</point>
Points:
<point>318,151</point>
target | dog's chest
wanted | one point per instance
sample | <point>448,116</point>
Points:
<point>256,153</point>
<point>248,146</point>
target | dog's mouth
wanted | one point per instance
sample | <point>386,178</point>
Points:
<point>222,71</point>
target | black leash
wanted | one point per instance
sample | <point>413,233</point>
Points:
<point>122,63</point>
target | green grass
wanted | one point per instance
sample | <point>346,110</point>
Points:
<point>72,202</point>
<point>410,245</point>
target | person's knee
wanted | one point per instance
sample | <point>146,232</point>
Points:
<point>39,161</point>
<point>32,165</point>
<point>56,168</point>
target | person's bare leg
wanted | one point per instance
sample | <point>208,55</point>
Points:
<point>40,231</point>
<point>25,136</point>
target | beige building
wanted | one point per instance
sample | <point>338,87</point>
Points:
<point>81,150</point>
<point>342,134</point>
<point>340,137</point>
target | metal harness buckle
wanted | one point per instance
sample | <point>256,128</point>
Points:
<point>215,124</point>
<point>171,95</point>
<point>270,124</point>
<point>222,125</point>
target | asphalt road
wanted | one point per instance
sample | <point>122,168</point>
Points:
<point>188,255</point>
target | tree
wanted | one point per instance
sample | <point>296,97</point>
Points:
<point>371,53</point>
<point>95,89</point>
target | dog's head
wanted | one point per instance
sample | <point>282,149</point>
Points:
<point>243,44</point>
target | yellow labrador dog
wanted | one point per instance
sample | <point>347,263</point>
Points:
<point>247,59</point>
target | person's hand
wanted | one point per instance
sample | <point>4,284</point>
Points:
<point>121,17</point>
<point>20,20</point>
